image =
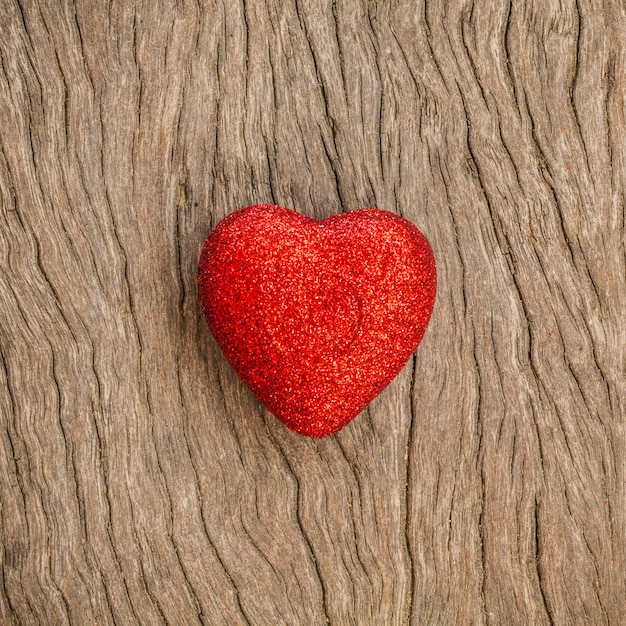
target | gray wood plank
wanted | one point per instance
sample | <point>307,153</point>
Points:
<point>141,482</point>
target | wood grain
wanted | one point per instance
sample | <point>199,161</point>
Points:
<point>140,482</point>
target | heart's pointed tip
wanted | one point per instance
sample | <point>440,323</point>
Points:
<point>314,431</point>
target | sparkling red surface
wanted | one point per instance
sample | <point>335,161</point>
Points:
<point>316,317</point>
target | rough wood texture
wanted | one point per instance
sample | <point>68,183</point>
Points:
<point>140,482</point>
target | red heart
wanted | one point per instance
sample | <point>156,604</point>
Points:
<point>316,317</point>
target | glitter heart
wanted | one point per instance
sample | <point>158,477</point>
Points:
<point>316,317</point>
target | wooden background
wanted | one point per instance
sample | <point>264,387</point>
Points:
<point>140,482</point>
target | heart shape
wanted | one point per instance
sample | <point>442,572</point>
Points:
<point>316,317</point>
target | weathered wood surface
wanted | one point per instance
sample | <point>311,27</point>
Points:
<point>140,482</point>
